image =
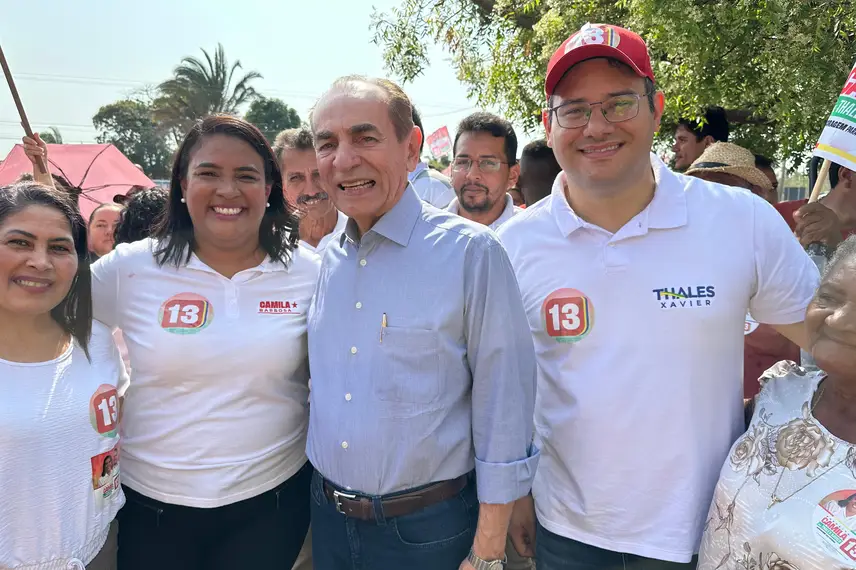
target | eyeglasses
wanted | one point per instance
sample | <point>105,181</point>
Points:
<point>484,164</point>
<point>615,110</point>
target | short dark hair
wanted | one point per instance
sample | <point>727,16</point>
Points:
<point>292,139</point>
<point>715,125</point>
<point>417,121</point>
<point>278,231</point>
<point>400,107</point>
<point>482,122</point>
<point>141,214</point>
<point>762,161</point>
<point>74,312</point>
<point>539,150</point>
<point>834,174</point>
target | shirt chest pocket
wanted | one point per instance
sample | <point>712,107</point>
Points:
<point>406,367</point>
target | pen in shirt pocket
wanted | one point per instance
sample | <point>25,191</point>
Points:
<point>382,326</point>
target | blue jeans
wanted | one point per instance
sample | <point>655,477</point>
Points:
<point>554,552</point>
<point>437,537</point>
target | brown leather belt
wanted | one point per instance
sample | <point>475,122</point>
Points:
<point>360,506</point>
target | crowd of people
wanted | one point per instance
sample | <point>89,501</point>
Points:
<point>324,354</point>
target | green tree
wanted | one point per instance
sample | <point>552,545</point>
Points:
<point>775,65</point>
<point>272,116</point>
<point>51,136</point>
<point>129,125</point>
<point>200,87</point>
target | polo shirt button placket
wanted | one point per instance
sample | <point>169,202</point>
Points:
<point>231,300</point>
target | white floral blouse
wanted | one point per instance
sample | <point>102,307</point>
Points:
<point>786,497</point>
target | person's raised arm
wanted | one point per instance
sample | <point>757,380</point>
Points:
<point>36,148</point>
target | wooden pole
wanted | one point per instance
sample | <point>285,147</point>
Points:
<point>821,178</point>
<point>21,113</point>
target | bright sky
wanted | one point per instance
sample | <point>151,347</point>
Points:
<point>71,57</point>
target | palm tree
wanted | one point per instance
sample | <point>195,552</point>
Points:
<point>51,136</point>
<point>199,88</point>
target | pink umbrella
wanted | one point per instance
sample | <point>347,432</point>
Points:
<point>99,171</point>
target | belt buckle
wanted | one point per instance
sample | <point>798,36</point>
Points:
<point>337,500</point>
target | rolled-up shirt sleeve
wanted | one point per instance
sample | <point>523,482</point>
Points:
<point>501,357</point>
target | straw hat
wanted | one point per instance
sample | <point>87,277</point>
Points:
<point>731,159</point>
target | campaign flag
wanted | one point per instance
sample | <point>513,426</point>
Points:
<point>837,142</point>
<point>440,143</point>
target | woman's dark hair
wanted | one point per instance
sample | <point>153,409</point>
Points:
<point>278,232</point>
<point>104,465</point>
<point>845,502</point>
<point>141,213</point>
<point>74,313</point>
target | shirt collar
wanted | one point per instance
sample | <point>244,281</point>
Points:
<point>667,210</point>
<point>419,168</point>
<point>266,266</point>
<point>507,212</point>
<point>395,225</point>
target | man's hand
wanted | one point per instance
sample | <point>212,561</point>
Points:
<point>35,148</point>
<point>817,223</point>
<point>465,565</point>
<point>522,527</point>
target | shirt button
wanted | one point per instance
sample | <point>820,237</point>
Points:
<point>359,305</point>
<point>363,263</point>
<point>353,350</point>
<point>348,397</point>
<point>344,445</point>
<point>611,245</point>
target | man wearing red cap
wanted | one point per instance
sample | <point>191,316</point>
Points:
<point>636,294</point>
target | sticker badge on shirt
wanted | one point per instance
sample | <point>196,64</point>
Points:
<point>568,315</point>
<point>104,410</point>
<point>750,325</point>
<point>105,475</point>
<point>185,313</point>
<point>835,524</point>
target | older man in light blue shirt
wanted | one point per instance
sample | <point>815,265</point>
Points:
<point>423,367</point>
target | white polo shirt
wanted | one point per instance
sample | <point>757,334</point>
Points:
<point>639,339</point>
<point>216,411</point>
<point>508,212</point>
<point>322,244</point>
<point>432,186</point>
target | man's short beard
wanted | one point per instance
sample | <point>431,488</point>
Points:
<point>477,208</point>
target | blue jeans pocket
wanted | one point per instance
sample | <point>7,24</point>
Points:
<point>436,526</point>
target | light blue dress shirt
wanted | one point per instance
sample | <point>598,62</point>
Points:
<point>423,365</point>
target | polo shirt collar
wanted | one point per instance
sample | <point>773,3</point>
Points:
<point>667,210</point>
<point>417,171</point>
<point>266,266</point>
<point>395,225</point>
<point>507,212</point>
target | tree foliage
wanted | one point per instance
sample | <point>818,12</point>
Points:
<point>200,87</point>
<point>130,126</point>
<point>272,116</point>
<point>776,65</point>
<point>51,136</point>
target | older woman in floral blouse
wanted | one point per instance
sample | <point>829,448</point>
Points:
<point>785,495</point>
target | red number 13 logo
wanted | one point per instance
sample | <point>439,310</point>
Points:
<point>104,410</point>
<point>567,315</point>
<point>849,548</point>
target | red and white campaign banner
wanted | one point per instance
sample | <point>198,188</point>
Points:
<point>440,143</point>
<point>838,140</point>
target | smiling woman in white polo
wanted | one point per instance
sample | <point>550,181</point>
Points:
<point>213,310</point>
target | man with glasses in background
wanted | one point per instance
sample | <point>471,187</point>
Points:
<point>484,168</point>
<point>636,294</point>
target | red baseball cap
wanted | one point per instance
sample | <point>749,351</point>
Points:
<point>598,40</point>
